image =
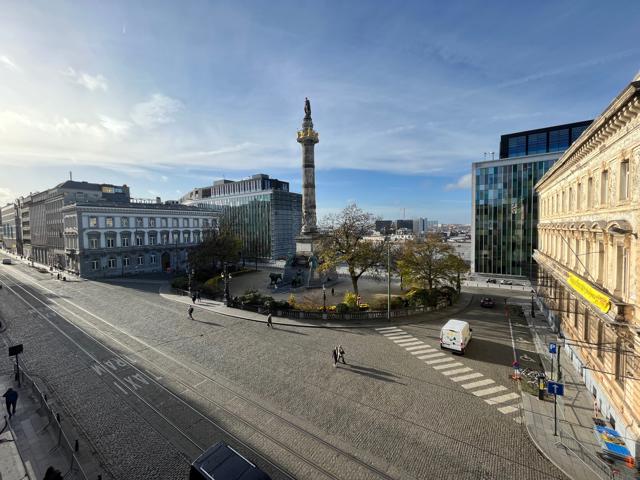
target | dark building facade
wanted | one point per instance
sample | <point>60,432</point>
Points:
<point>504,202</point>
<point>260,210</point>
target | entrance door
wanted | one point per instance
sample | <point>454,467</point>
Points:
<point>166,261</point>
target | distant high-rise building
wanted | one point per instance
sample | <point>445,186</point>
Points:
<point>504,204</point>
<point>406,224</point>
<point>260,210</point>
<point>384,227</point>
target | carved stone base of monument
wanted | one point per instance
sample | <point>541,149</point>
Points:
<point>302,269</point>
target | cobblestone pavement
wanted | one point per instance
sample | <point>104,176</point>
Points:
<point>384,415</point>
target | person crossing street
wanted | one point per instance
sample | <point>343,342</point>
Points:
<point>190,311</point>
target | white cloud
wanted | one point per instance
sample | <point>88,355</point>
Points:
<point>218,151</point>
<point>463,183</point>
<point>7,62</point>
<point>90,82</point>
<point>6,196</point>
<point>158,110</point>
<point>115,126</point>
<point>16,122</point>
<point>164,178</point>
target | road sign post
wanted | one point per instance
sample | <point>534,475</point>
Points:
<point>556,389</point>
<point>553,348</point>
<point>14,351</point>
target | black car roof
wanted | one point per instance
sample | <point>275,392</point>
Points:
<point>221,462</point>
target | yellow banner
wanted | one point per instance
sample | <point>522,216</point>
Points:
<point>590,294</point>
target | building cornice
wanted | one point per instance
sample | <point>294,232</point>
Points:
<point>615,117</point>
<point>130,209</point>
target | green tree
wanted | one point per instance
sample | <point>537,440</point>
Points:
<point>217,248</point>
<point>431,263</point>
<point>344,244</point>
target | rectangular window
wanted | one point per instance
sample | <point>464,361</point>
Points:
<point>111,242</point>
<point>93,242</point>
<point>604,183</point>
<point>585,333</point>
<point>600,340</point>
<point>601,263</point>
<point>196,222</point>
<point>140,259</point>
<point>174,222</point>
<point>579,196</point>
<point>587,257</point>
<point>152,239</point>
<point>175,237</point>
<point>205,222</point>
<point>517,146</point>
<point>139,222</point>
<point>576,132</point>
<point>108,222</point>
<point>570,199</point>
<point>125,261</point>
<point>185,222</point>
<point>125,241</point>
<point>558,140</point>
<point>165,238</point>
<point>152,222</point>
<point>112,263</point>
<point>187,237</point>
<point>93,222</point>
<point>624,180</point>
<point>152,259</point>
<point>590,193</point>
<point>576,308</point>
<point>139,240</point>
<point>94,265</point>
<point>537,143</point>
<point>163,222</point>
<point>124,222</point>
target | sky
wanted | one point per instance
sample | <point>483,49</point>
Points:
<point>168,96</point>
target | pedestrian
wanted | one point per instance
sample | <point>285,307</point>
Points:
<point>193,298</point>
<point>340,352</point>
<point>52,474</point>
<point>335,357</point>
<point>11,398</point>
<point>58,276</point>
<point>190,312</point>
<point>333,292</point>
<point>198,297</point>
<point>269,322</point>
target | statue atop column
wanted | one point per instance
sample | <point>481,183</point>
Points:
<point>308,137</point>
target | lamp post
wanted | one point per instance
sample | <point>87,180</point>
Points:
<point>533,312</point>
<point>191,274</point>
<point>226,277</point>
<point>324,298</point>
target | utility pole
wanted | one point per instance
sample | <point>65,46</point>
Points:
<point>388,280</point>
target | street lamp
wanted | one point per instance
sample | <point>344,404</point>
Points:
<point>192,272</point>
<point>324,298</point>
<point>226,277</point>
<point>533,312</point>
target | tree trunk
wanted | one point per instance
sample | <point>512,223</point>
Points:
<point>354,282</point>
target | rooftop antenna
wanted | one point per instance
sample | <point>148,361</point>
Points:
<point>485,155</point>
<point>493,155</point>
<point>70,175</point>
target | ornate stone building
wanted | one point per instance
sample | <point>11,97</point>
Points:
<point>589,258</point>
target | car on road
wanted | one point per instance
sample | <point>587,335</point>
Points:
<point>6,261</point>
<point>455,335</point>
<point>487,302</point>
<point>491,280</point>
<point>506,282</point>
<point>222,462</point>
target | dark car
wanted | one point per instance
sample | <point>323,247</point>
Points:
<point>221,462</point>
<point>491,280</point>
<point>487,302</point>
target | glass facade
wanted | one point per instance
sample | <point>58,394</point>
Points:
<point>542,140</point>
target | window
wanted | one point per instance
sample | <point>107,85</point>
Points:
<point>579,196</point>
<point>600,262</point>
<point>124,222</point>
<point>165,238</point>
<point>576,310</point>
<point>163,222</point>
<point>153,239</point>
<point>587,257</point>
<point>111,263</point>
<point>205,222</point>
<point>600,340</point>
<point>139,222</point>
<point>152,222</point>
<point>185,222</point>
<point>140,259</point>
<point>175,237</point>
<point>576,256</point>
<point>152,259</point>
<point>624,180</point>
<point>196,222</point>
<point>590,193</point>
<point>94,265</point>
<point>570,199</point>
<point>174,222</point>
<point>111,242</point>
<point>537,143</point>
<point>196,237</point>
<point>621,362</point>
<point>108,222</point>
<point>558,140</point>
<point>576,132</point>
<point>125,260</point>
<point>124,240</point>
<point>93,222</point>
<point>139,240</point>
<point>622,269</point>
<point>604,183</point>
<point>93,242</point>
<point>585,333</point>
<point>187,237</point>
<point>517,146</point>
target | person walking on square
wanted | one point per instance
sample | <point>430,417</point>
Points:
<point>190,312</point>
<point>340,352</point>
<point>198,297</point>
<point>333,292</point>
<point>335,357</point>
<point>193,298</point>
<point>269,321</point>
<point>11,399</point>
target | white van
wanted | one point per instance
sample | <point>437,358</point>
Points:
<point>455,335</point>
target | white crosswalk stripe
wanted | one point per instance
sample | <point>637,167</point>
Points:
<point>467,377</point>
<point>432,355</point>
<point>423,350</point>
<point>395,332</point>
<point>407,346</point>
<point>489,391</point>
<point>409,349</point>
<point>508,409</point>
<point>456,371</point>
<point>502,398</point>
<point>405,343</point>
<point>437,360</point>
<point>448,365</point>
<point>384,329</point>
<point>479,383</point>
<point>404,335</point>
<point>404,339</point>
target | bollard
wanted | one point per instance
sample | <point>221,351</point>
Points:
<point>77,446</point>
<point>540,387</point>
<point>58,417</point>
<point>45,398</point>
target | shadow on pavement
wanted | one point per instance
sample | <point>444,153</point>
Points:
<point>370,372</point>
<point>286,330</point>
<point>499,353</point>
<point>207,323</point>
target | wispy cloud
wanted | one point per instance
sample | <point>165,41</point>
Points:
<point>90,82</point>
<point>115,126</point>
<point>218,151</point>
<point>463,183</point>
<point>6,195</point>
<point>10,64</point>
<point>158,110</point>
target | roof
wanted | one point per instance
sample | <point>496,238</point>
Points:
<point>72,184</point>
<point>146,206</point>
<point>221,462</point>
<point>454,324</point>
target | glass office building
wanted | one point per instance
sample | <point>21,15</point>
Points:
<point>504,203</point>
<point>260,210</point>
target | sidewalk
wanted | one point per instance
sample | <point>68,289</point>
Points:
<point>70,277</point>
<point>574,450</point>
<point>218,307</point>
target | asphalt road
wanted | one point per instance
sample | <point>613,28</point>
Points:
<point>151,389</point>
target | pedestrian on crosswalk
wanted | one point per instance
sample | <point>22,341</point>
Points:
<point>190,312</point>
<point>269,322</point>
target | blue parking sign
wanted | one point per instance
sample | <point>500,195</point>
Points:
<point>555,388</point>
<point>553,348</point>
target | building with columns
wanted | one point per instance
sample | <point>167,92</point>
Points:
<point>103,239</point>
<point>588,258</point>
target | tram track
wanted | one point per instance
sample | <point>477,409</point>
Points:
<point>367,470</point>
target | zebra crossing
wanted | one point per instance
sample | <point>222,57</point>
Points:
<point>488,390</point>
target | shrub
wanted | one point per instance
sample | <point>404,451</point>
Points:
<point>212,287</point>
<point>181,282</point>
<point>351,300</point>
<point>342,308</point>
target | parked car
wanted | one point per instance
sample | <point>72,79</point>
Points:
<point>491,280</point>
<point>506,282</point>
<point>487,302</point>
<point>6,261</point>
<point>455,335</point>
<point>221,462</point>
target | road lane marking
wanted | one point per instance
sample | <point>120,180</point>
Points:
<point>456,371</point>
<point>383,329</point>
<point>502,398</point>
<point>395,332</point>
<point>448,365</point>
<point>489,391</point>
<point>479,383</point>
<point>400,340</point>
<point>432,355</point>
<point>410,344</point>
<point>404,335</point>
<point>421,347</point>
<point>437,360</point>
<point>424,350</point>
<point>467,377</point>
<point>508,409</point>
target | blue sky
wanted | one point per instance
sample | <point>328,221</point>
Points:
<point>167,96</point>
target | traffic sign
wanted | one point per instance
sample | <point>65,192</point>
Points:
<point>553,348</point>
<point>555,388</point>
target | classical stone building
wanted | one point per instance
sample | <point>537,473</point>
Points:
<point>589,258</point>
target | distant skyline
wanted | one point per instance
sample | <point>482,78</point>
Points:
<point>167,96</point>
